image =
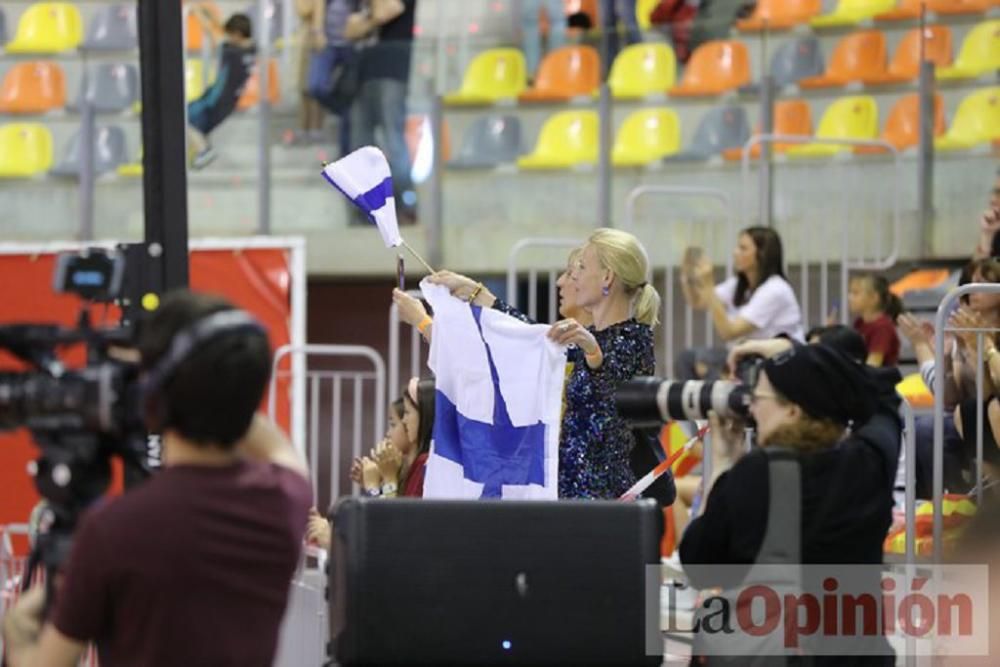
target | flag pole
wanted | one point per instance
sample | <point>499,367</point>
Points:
<point>417,255</point>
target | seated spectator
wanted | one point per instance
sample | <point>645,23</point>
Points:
<point>236,58</point>
<point>875,310</point>
<point>989,225</point>
<point>757,303</point>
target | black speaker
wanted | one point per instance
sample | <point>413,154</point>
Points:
<point>491,582</point>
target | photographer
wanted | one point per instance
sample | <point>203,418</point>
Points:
<point>193,566</point>
<point>845,496</point>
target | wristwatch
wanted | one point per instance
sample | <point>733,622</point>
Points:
<point>373,493</point>
<point>389,489</point>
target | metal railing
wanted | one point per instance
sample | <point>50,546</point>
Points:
<point>512,272</point>
<point>940,329</point>
<point>336,379</point>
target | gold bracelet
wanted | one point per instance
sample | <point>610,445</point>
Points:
<point>475,292</point>
<point>424,323</point>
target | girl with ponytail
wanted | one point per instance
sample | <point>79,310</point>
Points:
<point>876,309</point>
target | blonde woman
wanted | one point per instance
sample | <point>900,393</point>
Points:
<point>611,281</point>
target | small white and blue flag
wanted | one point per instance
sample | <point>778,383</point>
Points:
<point>364,178</point>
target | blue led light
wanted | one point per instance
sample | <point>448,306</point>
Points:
<point>505,644</point>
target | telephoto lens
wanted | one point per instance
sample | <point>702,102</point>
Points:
<point>648,401</point>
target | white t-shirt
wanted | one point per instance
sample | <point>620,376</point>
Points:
<point>772,308</point>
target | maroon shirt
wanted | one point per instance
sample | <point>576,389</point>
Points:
<point>191,568</point>
<point>880,336</point>
<point>414,487</point>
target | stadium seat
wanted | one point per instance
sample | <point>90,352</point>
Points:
<point>494,75</point>
<point>33,87</point>
<point>852,12</point>
<point>47,27</point>
<point>791,117</point>
<point>25,150</point>
<point>857,57</point>
<point>905,65</point>
<point>977,121</point>
<point>721,128</point>
<point>647,136</point>
<point>490,141</point>
<point>111,87</point>
<point>113,28</point>
<point>251,93</point>
<point>780,14</point>
<point>904,11</point>
<point>846,118</point>
<point>194,79</point>
<point>569,72</point>
<point>418,130</point>
<point>567,139</point>
<point>715,67</point>
<point>194,30</point>
<point>902,129</point>
<point>643,69</point>
<point>108,153</point>
<point>953,7</point>
<point>796,59</point>
<point>980,53</point>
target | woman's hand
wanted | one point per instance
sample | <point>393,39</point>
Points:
<point>571,332</point>
<point>463,287</point>
<point>703,282</point>
<point>764,348</point>
<point>389,461</point>
<point>370,476</point>
<point>356,471</point>
<point>728,441</point>
<point>917,332</point>
<point>963,318</point>
<point>318,529</point>
<point>411,309</point>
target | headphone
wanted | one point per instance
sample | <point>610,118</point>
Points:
<point>183,345</point>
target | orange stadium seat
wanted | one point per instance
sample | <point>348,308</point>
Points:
<point>195,30</point>
<point>251,93</point>
<point>858,56</point>
<point>904,11</point>
<point>902,129</point>
<point>571,71</point>
<point>792,117</point>
<point>952,7</point>
<point>715,68</point>
<point>780,14</point>
<point>905,65</point>
<point>33,87</point>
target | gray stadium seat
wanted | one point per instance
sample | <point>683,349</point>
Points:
<point>795,60</point>
<point>490,141</point>
<point>276,16</point>
<point>109,152</point>
<point>111,87</point>
<point>720,128</point>
<point>113,28</point>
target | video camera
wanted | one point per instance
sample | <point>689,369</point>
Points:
<point>79,419</point>
<point>651,401</point>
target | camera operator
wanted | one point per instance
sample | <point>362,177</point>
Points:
<point>804,399</point>
<point>193,566</point>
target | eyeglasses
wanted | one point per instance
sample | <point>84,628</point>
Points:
<point>755,397</point>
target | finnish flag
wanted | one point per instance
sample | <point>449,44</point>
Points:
<point>365,179</point>
<point>499,385</point>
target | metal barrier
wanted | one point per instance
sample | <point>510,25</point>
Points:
<point>512,267</point>
<point>668,294</point>
<point>878,264</point>
<point>416,350</point>
<point>314,378</point>
<point>940,328</point>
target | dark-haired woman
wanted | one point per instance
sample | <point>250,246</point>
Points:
<point>756,303</point>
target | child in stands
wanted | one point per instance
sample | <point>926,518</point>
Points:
<point>876,310</point>
<point>236,59</point>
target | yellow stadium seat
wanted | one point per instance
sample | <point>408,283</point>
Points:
<point>25,150</point>
<point>493,75</point>
<point>980,53</point>
<point>977,121</point>
<point>195,81</point>
<point>846,118</point>
<point>131,169</point>
<point>48,27</point>
<point>643,69</point>
<point>850,12</point>
<point>916,393</point>
<point>643,10</point>
<point>645,137</point>
<point>567,139</point>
